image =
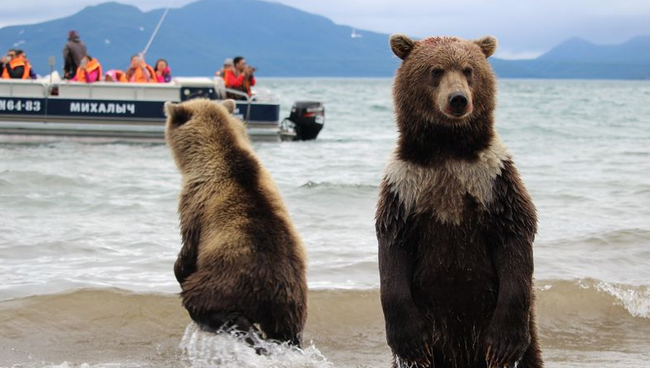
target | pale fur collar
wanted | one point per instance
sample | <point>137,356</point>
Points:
<point>441,189</point>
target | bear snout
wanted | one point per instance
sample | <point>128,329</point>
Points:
<point>454,96</point>
<point>458,104</point>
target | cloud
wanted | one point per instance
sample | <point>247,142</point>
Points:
<point>520,26</point>
<point>517,55</point>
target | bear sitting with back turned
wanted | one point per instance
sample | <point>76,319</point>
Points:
<point>454,222</point>
<point>242,264</point>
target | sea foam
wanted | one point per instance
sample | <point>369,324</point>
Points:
<point>205,349</point>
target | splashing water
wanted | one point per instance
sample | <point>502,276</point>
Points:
<point>229,350</point>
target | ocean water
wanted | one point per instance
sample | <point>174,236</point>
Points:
<point>89,234</point>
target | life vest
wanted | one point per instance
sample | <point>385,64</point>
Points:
<point>16,63</point>
<point>163,75</point>
<point>225,73</point>
<point>90,67</point>
<point>121,76</point>
<point>233,82</point>
<point>139,77</point>
<point>247,86</point>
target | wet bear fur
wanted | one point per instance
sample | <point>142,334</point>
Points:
<point>454,222</point>
<point>242,263</point>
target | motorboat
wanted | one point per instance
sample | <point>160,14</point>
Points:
<point>53,109</point>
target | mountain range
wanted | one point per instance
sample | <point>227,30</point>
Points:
<point>281,41</point>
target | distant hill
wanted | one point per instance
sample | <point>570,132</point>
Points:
<point>282,41</point>
<point>195,39</point>
<point>634,51</point>
<point>578,58</point>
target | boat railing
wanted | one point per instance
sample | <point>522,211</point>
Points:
<point>246,98</point>
<point>23,88</point>
<point>115,91</point>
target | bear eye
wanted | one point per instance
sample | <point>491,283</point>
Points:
<point>467,72</point>
<point>437,72</point>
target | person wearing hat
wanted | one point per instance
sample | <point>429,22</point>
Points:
<point>228,66</point>
<point>73,51</point>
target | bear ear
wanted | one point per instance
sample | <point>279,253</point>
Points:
<point>169,108</point>
<point>401,45</point>
<point>177,114</point>
<point>488,45</point>
<point>229,105</point>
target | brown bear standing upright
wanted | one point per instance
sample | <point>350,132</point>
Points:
<point>454,222</point>
<point>242,263</point>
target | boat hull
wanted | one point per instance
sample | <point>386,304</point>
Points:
<point>74,110</point>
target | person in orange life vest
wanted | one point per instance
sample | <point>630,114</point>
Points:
<point>227,67</point>
<point>5,59</point>
<point>89,70</point>
<point>242,79</point>
<point>115,75</point>
<point>140,72</point>
<point>15,65</point>
<point>32,73</point>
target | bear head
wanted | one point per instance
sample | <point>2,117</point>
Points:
<point>199,131</point>
<point>444,86</point>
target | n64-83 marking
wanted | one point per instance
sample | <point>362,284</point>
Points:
<point>12,104</point>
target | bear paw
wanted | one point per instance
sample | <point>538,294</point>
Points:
<point>506,349</point>
<point>410,340</point>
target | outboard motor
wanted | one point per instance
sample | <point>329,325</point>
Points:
<point>306,120</point>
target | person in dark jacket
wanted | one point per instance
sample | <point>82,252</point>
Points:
<point>73,51</point>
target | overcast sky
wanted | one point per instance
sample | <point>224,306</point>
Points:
<point>525,28</point>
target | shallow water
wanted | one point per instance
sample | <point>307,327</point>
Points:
<point>89,234</point>
<point>579,322</point>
